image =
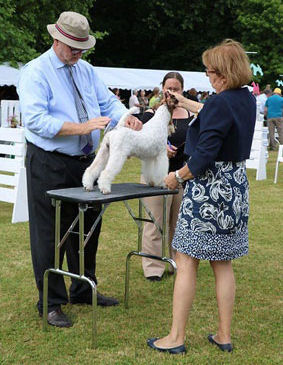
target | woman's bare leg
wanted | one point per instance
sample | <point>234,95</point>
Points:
<point>225,295</point>
<point>184,292</point>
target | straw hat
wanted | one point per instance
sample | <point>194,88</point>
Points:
<point>72,29</point>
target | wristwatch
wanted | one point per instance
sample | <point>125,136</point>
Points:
<point>178,177</point>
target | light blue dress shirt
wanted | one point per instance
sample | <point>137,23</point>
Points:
<point>47,101</point>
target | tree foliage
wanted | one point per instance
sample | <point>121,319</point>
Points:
<point>260,24</point>
<point>160,34</point>
<point>172,35</point>
<point>23,33</point>
<point>150,34</point>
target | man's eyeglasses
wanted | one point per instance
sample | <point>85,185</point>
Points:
<point>77,51</point>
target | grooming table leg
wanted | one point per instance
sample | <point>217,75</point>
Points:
<point>163,232</point>
<point>74,276</point>
<point>56,270</point>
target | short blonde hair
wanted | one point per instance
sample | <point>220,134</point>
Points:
<point>229,60</point>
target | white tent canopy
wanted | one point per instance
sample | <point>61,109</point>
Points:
<point>124,78</point>
<point>134,78</point>
<point>8,75</point>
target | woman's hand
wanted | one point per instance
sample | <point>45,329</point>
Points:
<point>180,99</point>
<point>133,123</point>
<point>170,181</point>
<point>184,173</point>
<point>190,105</point>
<point>171,151</point>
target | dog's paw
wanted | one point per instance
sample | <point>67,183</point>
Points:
<point>87,180</point>
<point>105,191</point>
<point>104,186</point>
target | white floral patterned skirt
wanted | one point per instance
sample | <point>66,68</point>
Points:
<point>213,217</point>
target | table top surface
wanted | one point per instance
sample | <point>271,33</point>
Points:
<point>125,191</point>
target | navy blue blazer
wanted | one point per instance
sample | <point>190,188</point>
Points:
<point>223,130</point>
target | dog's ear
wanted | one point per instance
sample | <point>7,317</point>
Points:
<point>171,128</point>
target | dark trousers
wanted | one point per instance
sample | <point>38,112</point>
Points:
<point>48,171</point>
<point>275,123</point>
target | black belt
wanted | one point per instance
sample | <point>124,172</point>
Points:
<point>89,157</point>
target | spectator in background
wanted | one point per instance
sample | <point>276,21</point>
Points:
<point>204,97</point>
<point>151,239</point>
<point>155,97</point>
<point>273,111</point>
<point>143,101</point>
<point>198,95</point>
<point>262,99</point>
<point>134,102</point>
<point>116,92</point>
<point>192,94</point>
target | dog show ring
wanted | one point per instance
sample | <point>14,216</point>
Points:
<point>92,200</point>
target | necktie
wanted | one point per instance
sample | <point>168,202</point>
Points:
<point>86,143</point>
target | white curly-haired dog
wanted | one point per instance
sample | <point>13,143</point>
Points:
<point>148,144</point>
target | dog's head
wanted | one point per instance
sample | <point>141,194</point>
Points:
<point>171,103</point>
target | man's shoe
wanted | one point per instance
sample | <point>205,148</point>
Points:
<point>101,300</point>
<point>58,318</point>
<point>223,346</point>
<point>154,278</point>
<point>106,301</point>
<point>172,350</point>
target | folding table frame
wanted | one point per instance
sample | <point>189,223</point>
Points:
<point>89,200</point>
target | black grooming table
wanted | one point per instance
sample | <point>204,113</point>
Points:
<point>90,200</point>
<point>119,192</point>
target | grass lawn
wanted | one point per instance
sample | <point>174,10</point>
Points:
<point>122,333</point>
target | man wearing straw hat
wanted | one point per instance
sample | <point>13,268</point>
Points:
<point>64,106</point>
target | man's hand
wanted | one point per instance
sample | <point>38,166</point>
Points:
<point>79,129</point>
<point>95,123</point>
<point>133,123</point>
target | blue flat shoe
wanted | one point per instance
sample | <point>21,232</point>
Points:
<point>172,350</point>
<point>223,346</point>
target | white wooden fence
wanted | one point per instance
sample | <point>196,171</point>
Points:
<point>259,155</point>
<point>10,108</point>
<point>13,185</point>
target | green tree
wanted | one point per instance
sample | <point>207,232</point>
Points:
<point>23,33</point>
<point>260,24</point>
<point>151,34</point>
<point>160,34</point>
<point>172,35</point>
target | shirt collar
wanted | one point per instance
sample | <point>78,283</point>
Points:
<point>55,60</point>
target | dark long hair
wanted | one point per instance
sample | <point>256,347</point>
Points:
<point>173,75</point>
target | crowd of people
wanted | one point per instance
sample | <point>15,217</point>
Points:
<point>65,105</point>
<point>270,104</point>
<point>150,99</point>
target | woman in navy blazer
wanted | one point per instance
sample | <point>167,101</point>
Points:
<point>213,218</point>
